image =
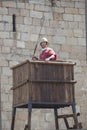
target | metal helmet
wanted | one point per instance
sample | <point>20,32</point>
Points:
<point>43,40</point>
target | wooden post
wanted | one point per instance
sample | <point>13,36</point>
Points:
<point>56,118</point>
<point>75,116</point>
<point>66,122</point>
<point>29,113</point>
<point>13,118</point>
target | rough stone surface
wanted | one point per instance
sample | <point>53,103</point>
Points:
<point>64,26</point>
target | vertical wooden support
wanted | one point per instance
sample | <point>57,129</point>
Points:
<point>13,118</point>
<point>0,106</point>
<point>29,113</point>
<point>86,25</point>
<point>66,122</point>
<point>56,118</point>
<point>26,127</point>
<point>75,116</point>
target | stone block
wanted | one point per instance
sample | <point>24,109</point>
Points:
<point>7,124</point>
<point>4,35</point>
<point>6,50</point>
<point>58,16</point>
<point>0,49</point>
<point>82,25</point>
<point>25,52</point>
<point>78,18</point>
<point>2,27</point>
<point>29,6</point>
<point>68,17</point>
<point>34,37</point>
<point>7,18</point>
<point>8,27</point>
<point>36,14</point>
<point>49,117</point>
<point>30,45</point>
<point>4,79</point>
<point>63,24</point>
<point>81,41</point>
<point>24,12</point>
<point>68,32</point>
<point>80,5</point>
<point>64,55</point>
<point>37,1</point>
<point>20,5</point>
<point>14,36</point>
<point>35,30</point>
<point>4,98</point>
<point>24,36</point>
<point>4,116</point>
<point>0,3</point>
<point>9,43</point>
<point>15,11</point>
<point>3,63</point>
<point>83,18</point>
<point>73,25</point>
<point>59,39</point>
<point>20,44</point>
<point>42,8</point>
<point>5,88</point>
<point>72,41</point>
<point>66,48</point>
<point>78,33</point>
<point>10,100</point>
<point>36,21</point>
<point>71,10</point>
<point>28,20</point>
<point>58,10</point>
<point>48,16</point>
<point>1,19</point>
<point>3,10</point>
<point>67,4</point>
<point>13,63</point>
<point>6,71</point>
<point>9,4</point>
<point>22,28</point>
<point>49,31</point>
<point>81,11</point>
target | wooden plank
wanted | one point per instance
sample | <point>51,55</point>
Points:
<point>43,81</point>
<point>54,81</point>
<point>67,115</point>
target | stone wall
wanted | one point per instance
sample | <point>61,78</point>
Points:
<point>64,26</point>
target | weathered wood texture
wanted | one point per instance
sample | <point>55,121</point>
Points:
<point>43,81</point>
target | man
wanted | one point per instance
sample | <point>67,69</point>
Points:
<point>46,52</point>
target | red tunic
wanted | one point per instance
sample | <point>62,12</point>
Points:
<point>46,53</point>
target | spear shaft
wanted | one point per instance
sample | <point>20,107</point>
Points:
<point>42,19</point>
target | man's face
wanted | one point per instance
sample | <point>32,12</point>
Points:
<point>43,44</point>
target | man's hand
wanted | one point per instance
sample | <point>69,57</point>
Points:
<point>47,59</point>
<point>34,58</point>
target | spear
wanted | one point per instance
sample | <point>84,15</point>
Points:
<point>42,22</point>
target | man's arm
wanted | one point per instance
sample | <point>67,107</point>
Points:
<point>49,58</point>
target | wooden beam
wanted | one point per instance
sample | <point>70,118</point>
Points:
<point>67,115</point>
<point>86,25</point>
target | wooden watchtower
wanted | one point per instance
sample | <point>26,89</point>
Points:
<point>41,84</point>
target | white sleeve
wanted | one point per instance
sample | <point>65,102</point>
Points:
<point>47,59</point>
